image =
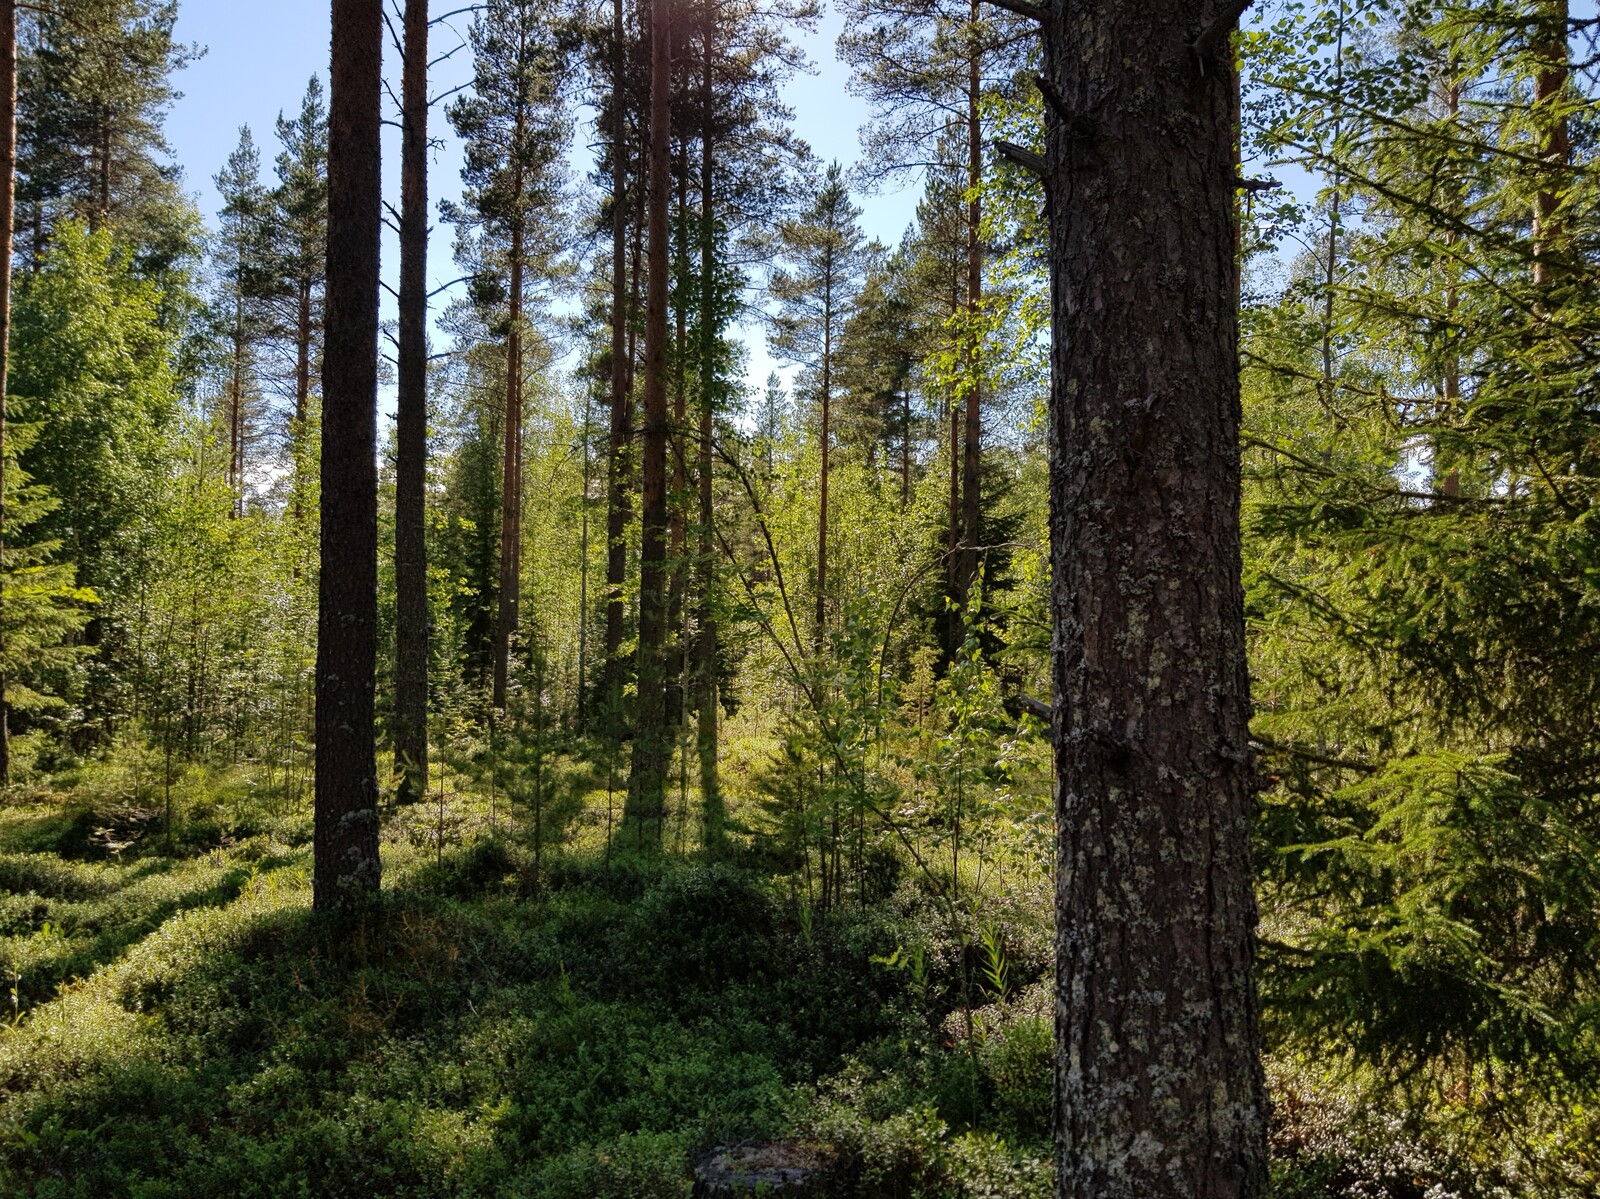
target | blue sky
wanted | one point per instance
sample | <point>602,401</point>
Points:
<point>259,56</point>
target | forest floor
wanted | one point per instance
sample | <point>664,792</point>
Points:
<point>177,1024</point>
<point>180,1025</point>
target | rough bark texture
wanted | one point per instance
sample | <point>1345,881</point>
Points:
<point>621,434</point>
<point>1158,1075</point>
<point>651,743</point>
<point>8,211</point>
<point>411,423</point>
<point>346,833</point>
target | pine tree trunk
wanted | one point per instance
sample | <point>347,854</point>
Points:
<point>411,422</point>
<point>707,707</point>
<point>825,442</point>
<point>1549,87</point>
<point>1160,1092</point>
<point>8,209</point>
<point>651,745</point>
<point>236,404</point>
<point>511,466</point>
<point>677,512</point>
<point>346,832</point>
<point>971,465</point>
<point>619,443</point>
<point>302,395</point>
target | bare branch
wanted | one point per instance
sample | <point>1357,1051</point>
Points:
<point>1033,163</point>
<point>1024,8</point>
<point>1216,33</point>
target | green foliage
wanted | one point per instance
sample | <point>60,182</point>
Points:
<point>93,368</point>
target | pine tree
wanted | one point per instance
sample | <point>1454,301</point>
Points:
<point>411,421</point>
<point>300,223</point>
<point>646,803</point>
<point>515,127</point>
<point>346,834</point>
<point>96,87</point>
<point>245,271</point>
<point>1159,1082</point>
<point>928,69</point>
<point>815,300</point>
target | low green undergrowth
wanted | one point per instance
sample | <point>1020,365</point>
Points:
<point>183,1026</point>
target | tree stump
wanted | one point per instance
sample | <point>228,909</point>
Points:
<point>786,1169</point>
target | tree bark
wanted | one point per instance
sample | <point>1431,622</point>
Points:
<point>1159,1084</point>
<point>8,209</point>
<point>620,441</point>
<point>677,511</point>
<point>1549,87</point>
<point>971,464</point>
<point>411,422</point>
<point>826,442</point>
<point>651,745</point>
<point>236,401</point>
<point>511,466</point>
<point>346,828</point>
<point>708,713</point>
<point>302,396</point>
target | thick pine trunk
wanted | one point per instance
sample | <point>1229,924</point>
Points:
<point>346,833</point>
<point>8,210</point>
<point>411,422</point>
<point>1158,1075</point>
<point>619,443</point>
<point>651,744</point>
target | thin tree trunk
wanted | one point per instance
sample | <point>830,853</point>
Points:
<point>8,205</point>
<point>707,707</point>
<point>583,571</point>
<point>1549,88</point>
<point>905,448</point>
<point>677,514</point>
<point>511,466</point>
<point>826,444</point>
<point>236,401</point>
<point>103,209</point>
<point>346,832</point>
<point>971,466</point>
<point>411,422</point>
<point>952,563</point>
<point>651,746</point>
<point>302,397</point>
<point>1159,1083</point>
